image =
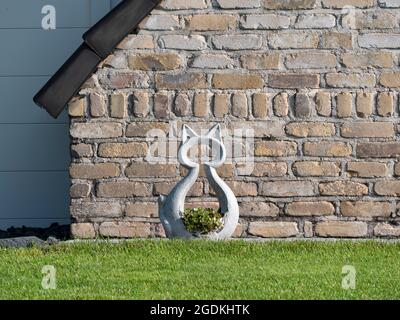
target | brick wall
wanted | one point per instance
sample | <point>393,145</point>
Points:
<point>317,83</point>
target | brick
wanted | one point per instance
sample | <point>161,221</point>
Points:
<point>369,20</point>
<point>243,189</point>
<point>293,81</point>
<point>265,21</point>
<point>201,107</point>
<point>281,104</point>
<point>366,209</point>
<point>123,150</point>
<point>275,148</point>
<point>273,229</point>
<point>239,105</point>
<point>183,105</point>
<point>212,61</point>
<point>123,189</point>
<point>341,229</point>
<point>315,21</point>
<point>122,80</point>
<point>388,188</point>
<point>389,3</point>
<point>261,105</point>
<point>364,104</point>
<point>367,130</point>
<point>378,150</point>
<point>155,61</point>
<point>308,229</point>
<point>344,105</point>
<point>162,104</point>
<point>368,60</point>
<point>316,169</point>
<point>121,229</point>
<point>77,107</point>
<point>183,4</point>
<point>288,189</point>
<point>367,169</point>
<point>161,22</point>
<point>181,42</point>
<point>201,204</point>
<point>237,81</point>
<point>311,60</point>
<point>385,106</point>
<point>211,22</point>
<point>237,42</point>
<point>116,61</point>
<point>351,80</point>
<point>387,230</point>
<point>390,80</point>
<point>258,209</point>
<point>289,4</point>
<point>164,188</point>
<point>337,40</point>
<point>183,81</point>
<point>294,40</point>
<point>310,129</point>
<point>263,129</point>
<point>83,231</point>
<point>323,104</point>
<point>379,40</point>
<point>81,150</point>
<point>269,61</point>
<point>142,209</point>
<point>141,129</point>
<point>302,106</point>
<point>94,171</point>
<point>96,210</point>
<point>80,190</point>
<point>343,188</point>
<point>268,169</point>
<point>135,41</point>
<point>306,209</point>
<point>141,104</point>
<point>221,105</point>
<point>397,169</point>
<point>141,169</point>
<point>239,4</point>
<point>118,107</point>
<point>339,4</point>
<point>225,171</point>
<point>97,105</point>
<point>327,149</point>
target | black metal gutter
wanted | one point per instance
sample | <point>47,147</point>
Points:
<point>100,42</point>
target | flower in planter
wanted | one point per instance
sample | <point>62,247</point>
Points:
<point>202,220</point>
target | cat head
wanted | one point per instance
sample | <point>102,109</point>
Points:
<point>213,139</point>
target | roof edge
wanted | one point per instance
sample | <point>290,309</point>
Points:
<point>100,41</point>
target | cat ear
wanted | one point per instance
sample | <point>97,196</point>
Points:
<point>215,132</point>
<point>187,133</point>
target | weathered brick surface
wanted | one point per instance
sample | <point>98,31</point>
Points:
<point>94,171</point>
<point>83,231</point>
<point>341,229</point>
<point>273,229</point>
<point>343,188</point>
<point>316,169</point>
<point>317,85</point>
<point>301,208</point>
<point>366,209</point>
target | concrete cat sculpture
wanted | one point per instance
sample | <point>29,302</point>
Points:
<point>171,207</point>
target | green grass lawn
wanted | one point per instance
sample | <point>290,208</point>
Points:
<point>203,270</point>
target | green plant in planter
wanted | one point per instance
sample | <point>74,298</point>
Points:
<point>202,220</point>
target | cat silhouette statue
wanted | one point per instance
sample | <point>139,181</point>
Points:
<point>171,207</point>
